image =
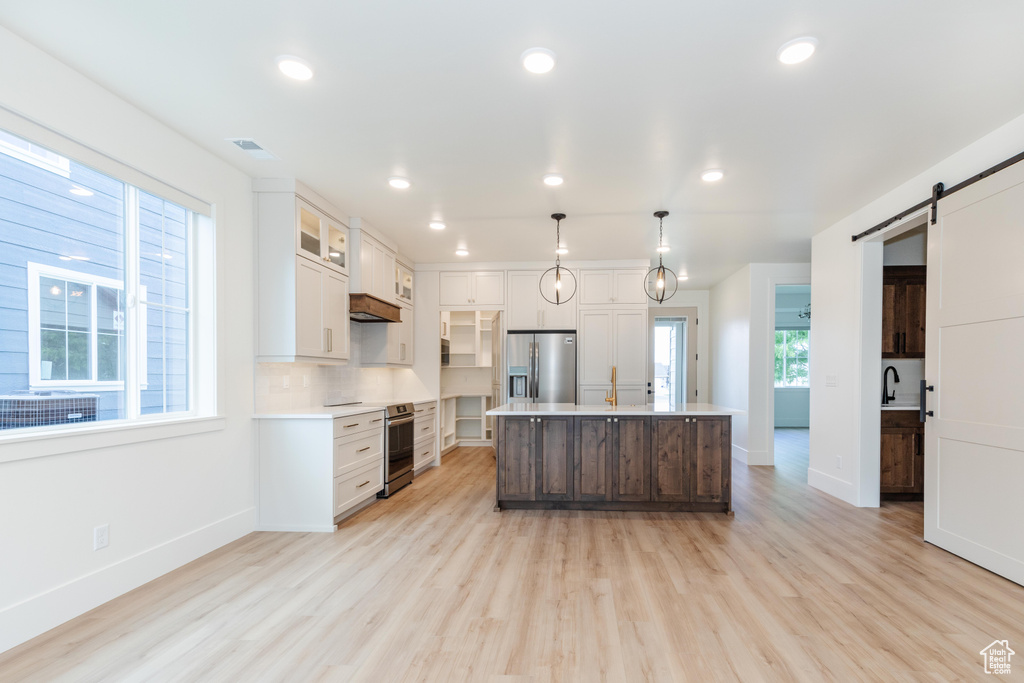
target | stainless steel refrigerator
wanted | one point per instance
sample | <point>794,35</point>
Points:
<point>541,367</point>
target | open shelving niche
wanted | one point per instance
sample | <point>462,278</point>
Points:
<point>465,414</point>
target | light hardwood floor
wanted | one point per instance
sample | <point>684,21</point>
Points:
<point>434,585</point>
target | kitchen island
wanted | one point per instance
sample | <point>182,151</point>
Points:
<point>561,456</point>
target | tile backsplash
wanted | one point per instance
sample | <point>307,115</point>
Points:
<point>289,386</point>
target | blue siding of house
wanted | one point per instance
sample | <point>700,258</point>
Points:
<point>40,220</point>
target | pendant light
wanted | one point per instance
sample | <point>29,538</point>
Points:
<point>660,280</point>
<point>557,285</point>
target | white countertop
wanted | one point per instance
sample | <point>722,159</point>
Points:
<point>902,405</point>
<point>318,413</point>
<point>572,409</point>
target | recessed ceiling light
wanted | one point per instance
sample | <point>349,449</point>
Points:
<point>461,252</point>
<point>437,225</point>
<point>712,174</point>
<point>295,67</point>
<point>399,183</point>
<point>797,50</point>
<point>553,179</point>
<point>81,191</point>
<point>683,277</point>
<point>662,249</point>
<point>538,60</point>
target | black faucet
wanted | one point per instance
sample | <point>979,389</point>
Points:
<point>885,385</point>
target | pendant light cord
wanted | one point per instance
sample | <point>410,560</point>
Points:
<point>558,242</point>
<point>661,221</point>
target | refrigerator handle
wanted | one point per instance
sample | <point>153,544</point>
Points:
<point>535,364</point>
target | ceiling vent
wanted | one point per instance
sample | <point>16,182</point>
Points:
<point>252,148</point>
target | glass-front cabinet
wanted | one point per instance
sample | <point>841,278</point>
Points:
<point>403,282</point>
<point>320,237</point>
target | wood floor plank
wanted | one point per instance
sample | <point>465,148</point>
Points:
<point>434,585</point>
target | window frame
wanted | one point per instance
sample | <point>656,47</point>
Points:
<point>785,358</point>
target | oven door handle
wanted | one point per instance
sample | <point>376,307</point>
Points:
<point>402,421</point>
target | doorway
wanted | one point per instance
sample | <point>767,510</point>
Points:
<point>675,359</point>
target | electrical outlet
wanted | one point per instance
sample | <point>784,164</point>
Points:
<point>101,537</point>
<point>839,462</point>
<point>830,381</point>
<point>286,381</point>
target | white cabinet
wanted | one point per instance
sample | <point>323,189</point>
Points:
<point>446,325</point>
<point>613,337</point>
<point>321,312</point>
<point>320,237</point>
<point>302,296</point>
<point>425,434</point>
<point>603,287</point>
<point>376,273</point>
<point>403,283</point>
<point>389,344</point>
<point>313,472</point>
<point>467,288</point>
<point>529,310</point>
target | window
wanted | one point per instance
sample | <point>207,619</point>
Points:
<point>95,294</point>
<point>791,347</point>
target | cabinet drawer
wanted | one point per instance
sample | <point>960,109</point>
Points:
<point>424,409</point>
<point>357,486</point>
<point>350,451</point>
<point>423,428</point>
<point>353,424</point>
<point>424,453</point>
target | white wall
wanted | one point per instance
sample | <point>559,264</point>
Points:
<point>167,501</point>
<point>847,324</point>
<point>701,300</point>
<point>730,354</point>
<point>792,407</point>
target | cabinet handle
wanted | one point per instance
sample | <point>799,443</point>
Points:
<point>531,419</point>
<point>608,420</point>
<point>363,449</point>
<point>904,342</point>
<point>379,419</point>
<point>352,425</point>
<point>896,342</point>
<point>330,339</point>
<point>616,419</point>
<point>363,484</point>
<point>425,428</point>
<point>401,355</point>
<point>538,318</point>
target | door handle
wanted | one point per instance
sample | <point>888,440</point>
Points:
<point>925,387</point>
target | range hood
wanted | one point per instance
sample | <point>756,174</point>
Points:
<point>366,308</point>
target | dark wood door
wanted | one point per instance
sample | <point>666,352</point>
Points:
<point>553,444</point>
<point>631,459</point>
<point>670,458</point>
<point>712,459</point>
<point>593,462</point>
<point>903,311</point>
<point>891,301</point>
<point>902,453</point>
<point>516,478</point>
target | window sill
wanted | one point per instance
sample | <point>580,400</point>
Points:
<point>25,445</point>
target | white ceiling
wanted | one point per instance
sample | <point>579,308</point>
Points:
<point>646,94</point>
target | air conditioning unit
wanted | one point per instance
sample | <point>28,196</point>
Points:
<point>43,408</point>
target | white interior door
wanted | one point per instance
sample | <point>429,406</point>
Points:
<point>974,444</point>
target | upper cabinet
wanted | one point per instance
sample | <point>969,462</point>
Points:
<point>403,283</point>
<point>528,310</point>
<point>485,289</point>
<point>903,306</point>
<point>301,281</point>
<point>377,273</point>
<point>320,237</point>
<point>389,344</point>
<point>616,287</point>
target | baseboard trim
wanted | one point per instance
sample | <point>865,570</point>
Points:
<point>739,453</point>
<point>833,486</point>
<point>33,616</point>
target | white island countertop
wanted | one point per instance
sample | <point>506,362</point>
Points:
<point>573,409</point>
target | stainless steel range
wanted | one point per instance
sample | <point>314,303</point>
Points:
<point>398,447</point>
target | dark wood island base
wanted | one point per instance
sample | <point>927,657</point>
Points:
<point>644,463</point>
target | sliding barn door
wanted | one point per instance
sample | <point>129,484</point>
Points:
<point>974,444</point>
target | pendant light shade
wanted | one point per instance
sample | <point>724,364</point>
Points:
<point>661,283</point>
<point>558,284</point>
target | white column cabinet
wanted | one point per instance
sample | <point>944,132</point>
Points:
<point>613,337</point>
<point>465,288</point>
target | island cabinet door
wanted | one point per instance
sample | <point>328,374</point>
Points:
<point>712,458</point>
<point>516,478</point>
<point>593,466</point>
<point>631,460</point>
<point>671,454</point>
<point>553,441</point>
